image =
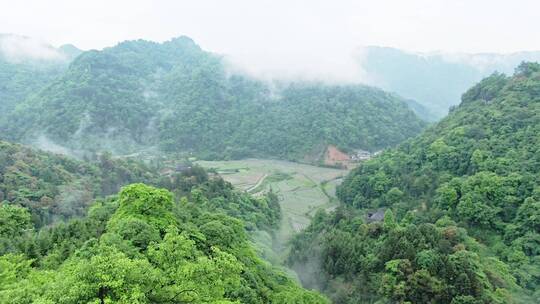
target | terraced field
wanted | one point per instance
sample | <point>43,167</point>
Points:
<point>302,189</point>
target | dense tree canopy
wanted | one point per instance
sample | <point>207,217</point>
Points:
<point>179,98</point>
<point>22,76</point>
<point>141,247</point>
<point>19,80</point>
<point>405,262</point>
<point>465,191</point>
<point>450,216</point>
<point>55,187</point>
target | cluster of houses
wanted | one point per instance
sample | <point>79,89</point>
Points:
<point>361,155</point>
<point>335,157</point>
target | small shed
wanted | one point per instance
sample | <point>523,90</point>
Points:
<point>375,216</point>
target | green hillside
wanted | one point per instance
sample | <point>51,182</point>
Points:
<point>59,244</point>
<point>55,187</point>
<point>140,247</point>
<point>461,207</point>
<point>179,98</point>
<point>22,75</point>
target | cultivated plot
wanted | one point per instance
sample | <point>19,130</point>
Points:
<point>302,189</point>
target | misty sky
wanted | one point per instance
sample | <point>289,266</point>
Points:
<point>309,34</point>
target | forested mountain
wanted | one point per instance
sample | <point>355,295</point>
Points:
<point>145,245</point>
<point>139,247</point>
<point>54,187</point>
<point>435,80</point>
<point>461,207</point>
<point>179,98</point>
<point>26,66</point>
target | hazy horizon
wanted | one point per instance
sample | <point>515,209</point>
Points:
<point>416,26</point>
<point>288,38</point>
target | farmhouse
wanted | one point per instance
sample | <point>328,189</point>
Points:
<point>361,155</point>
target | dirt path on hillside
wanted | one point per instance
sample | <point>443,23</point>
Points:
<point>259,182</point>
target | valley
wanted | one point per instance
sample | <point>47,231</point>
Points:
<point>302,189</point>
<point>161,170</point>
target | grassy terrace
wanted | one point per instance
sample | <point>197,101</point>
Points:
<point>302,189</point>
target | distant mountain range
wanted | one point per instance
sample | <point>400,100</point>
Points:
<point>435,80</point>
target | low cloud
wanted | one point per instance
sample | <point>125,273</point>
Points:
<point>487,63</point>
<point>19,49</point>
<point>44,143</point>
<point>315,64</point>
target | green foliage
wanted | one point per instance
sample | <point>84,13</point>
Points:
<point>142,247</point>
<point>54,187</point>
<point>13,220</point>
<point>399,262</point>
<point>19,80</point>
<point>152,206</point>
<point>285,126</point>
<point>178,97</point>
<point>389,221</point>
<point>479,170</point>
<point>108,276</point>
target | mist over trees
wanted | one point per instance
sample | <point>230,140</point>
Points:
<point>27,66</point>
<point>177,97</point>
<point>139,247</point>
<point>461,205</point>
<point>435,80</point>
<point>118,211</point>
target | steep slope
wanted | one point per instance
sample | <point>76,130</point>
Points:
<point>466,197</point>
<point>304,116</point>
<point>47,244</point>
<point>53,186</point>
<point>103,95</point>
<point>27,66</point>
<point>435,80</point>
<point>141,247</point>
<point>180,98</point>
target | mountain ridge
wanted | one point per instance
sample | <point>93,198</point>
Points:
<point>435,79</point>
<point>178,97</point>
